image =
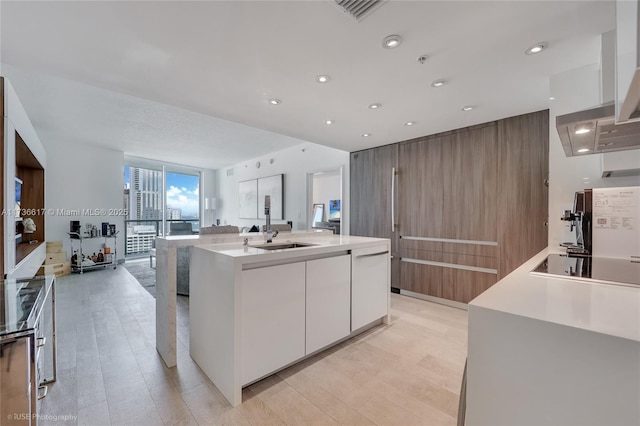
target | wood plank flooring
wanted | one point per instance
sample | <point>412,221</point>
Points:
<point>406,373</point>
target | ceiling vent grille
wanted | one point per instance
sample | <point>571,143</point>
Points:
<point>358,9</point>
<point>229,172</point>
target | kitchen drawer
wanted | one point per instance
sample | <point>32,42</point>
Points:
<point>407,243</point>
<point>471,249</point>
<point>470,260</point>
<point>463,286</point>
<point>370,285</point>
<point>430,255</point>
<point>421,278</point>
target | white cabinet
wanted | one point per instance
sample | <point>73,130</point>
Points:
<point>328,295</point>
<point>272,319</point>
<point>369,285</point>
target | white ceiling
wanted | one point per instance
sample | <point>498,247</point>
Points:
<point>188,82</point>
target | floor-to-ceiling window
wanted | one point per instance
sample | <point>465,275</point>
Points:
<point>183,199</point>
<point>143,198</point>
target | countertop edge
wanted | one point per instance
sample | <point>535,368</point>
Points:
<point>602,308</point>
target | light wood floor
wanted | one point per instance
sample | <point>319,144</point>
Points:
<point>407,373</point>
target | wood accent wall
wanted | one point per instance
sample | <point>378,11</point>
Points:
<point>420,187</point>
<point>483,183</point>
<point>371,172</point>
<point>523,205</point>
<point>470,197</point>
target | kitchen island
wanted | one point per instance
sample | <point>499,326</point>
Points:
<point>545,350</point>
<point>254,310</point>
<point>166,283</point>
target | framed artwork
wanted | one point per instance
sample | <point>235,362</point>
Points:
<point>248,199</point>
<point>273,186</point>
<point>334,209</point>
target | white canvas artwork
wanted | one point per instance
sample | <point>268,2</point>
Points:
<point>272,186</point>
<point>248,199</point>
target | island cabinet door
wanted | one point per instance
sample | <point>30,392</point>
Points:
<point>273,319</point>
<point>328,301</point>
<point>370,287</point>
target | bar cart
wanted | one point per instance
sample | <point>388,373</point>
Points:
<point>110,259</point>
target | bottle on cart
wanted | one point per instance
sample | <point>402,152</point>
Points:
<point>74,258</point>
<point>100,257</point>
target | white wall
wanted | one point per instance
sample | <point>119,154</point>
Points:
<point>573,91</point>
<point>81,177</point>
<point>295,163</point>
<point>326,186</point>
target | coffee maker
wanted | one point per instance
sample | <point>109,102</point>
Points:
<point>580,218</point>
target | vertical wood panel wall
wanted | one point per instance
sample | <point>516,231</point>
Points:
<point>483,183</point>
<point>523,167</point>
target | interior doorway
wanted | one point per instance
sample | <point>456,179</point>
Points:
<point>325,200</point>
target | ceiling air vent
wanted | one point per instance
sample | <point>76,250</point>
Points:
<point>358,9</point>
<point>229,172</point>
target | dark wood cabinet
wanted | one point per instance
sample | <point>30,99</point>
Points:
<point>471,204</point>
<point>470,161</point>
<point>371,178</point>
<point>420,187</point>
<point>523,204</point>
<point>372,192</point>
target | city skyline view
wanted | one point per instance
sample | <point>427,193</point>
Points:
<point>183,192</point>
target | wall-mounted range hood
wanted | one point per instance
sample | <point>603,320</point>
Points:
<point>595,131</point>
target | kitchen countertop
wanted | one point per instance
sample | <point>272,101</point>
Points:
<point>589,305</point>
<point>323,243</point>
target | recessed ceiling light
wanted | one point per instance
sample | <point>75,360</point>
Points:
<point>584,150</point>
<point>467,108</point>
<point>366,135</point>
<point>409,123</point>
<point>438,83</point>
<point>275,101</point>
<point>328,122</point>
<point>389,42</point>
<point>582,131</point>
<point>536,48</point>
<point>375,106</point>
<point>323,78</point>
<point>551,98</point>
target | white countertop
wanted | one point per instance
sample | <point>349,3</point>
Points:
<point>203,239</point>
<point>323,243</point>
<point>602,308</point>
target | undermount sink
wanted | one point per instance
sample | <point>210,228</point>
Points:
<point>283,246</point>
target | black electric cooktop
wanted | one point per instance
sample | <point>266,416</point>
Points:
<point>610,271</point>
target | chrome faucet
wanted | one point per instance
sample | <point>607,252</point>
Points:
<point>269,235</point>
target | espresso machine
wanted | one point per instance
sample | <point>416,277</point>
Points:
<point>580,219</point>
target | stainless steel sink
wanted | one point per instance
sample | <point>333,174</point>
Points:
<point>283,246</point>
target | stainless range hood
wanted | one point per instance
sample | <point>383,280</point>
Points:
<point>594,131</point>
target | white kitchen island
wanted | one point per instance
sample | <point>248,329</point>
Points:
<point>254,311</point>
<point>166,284</point>
<point>553,351</point>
